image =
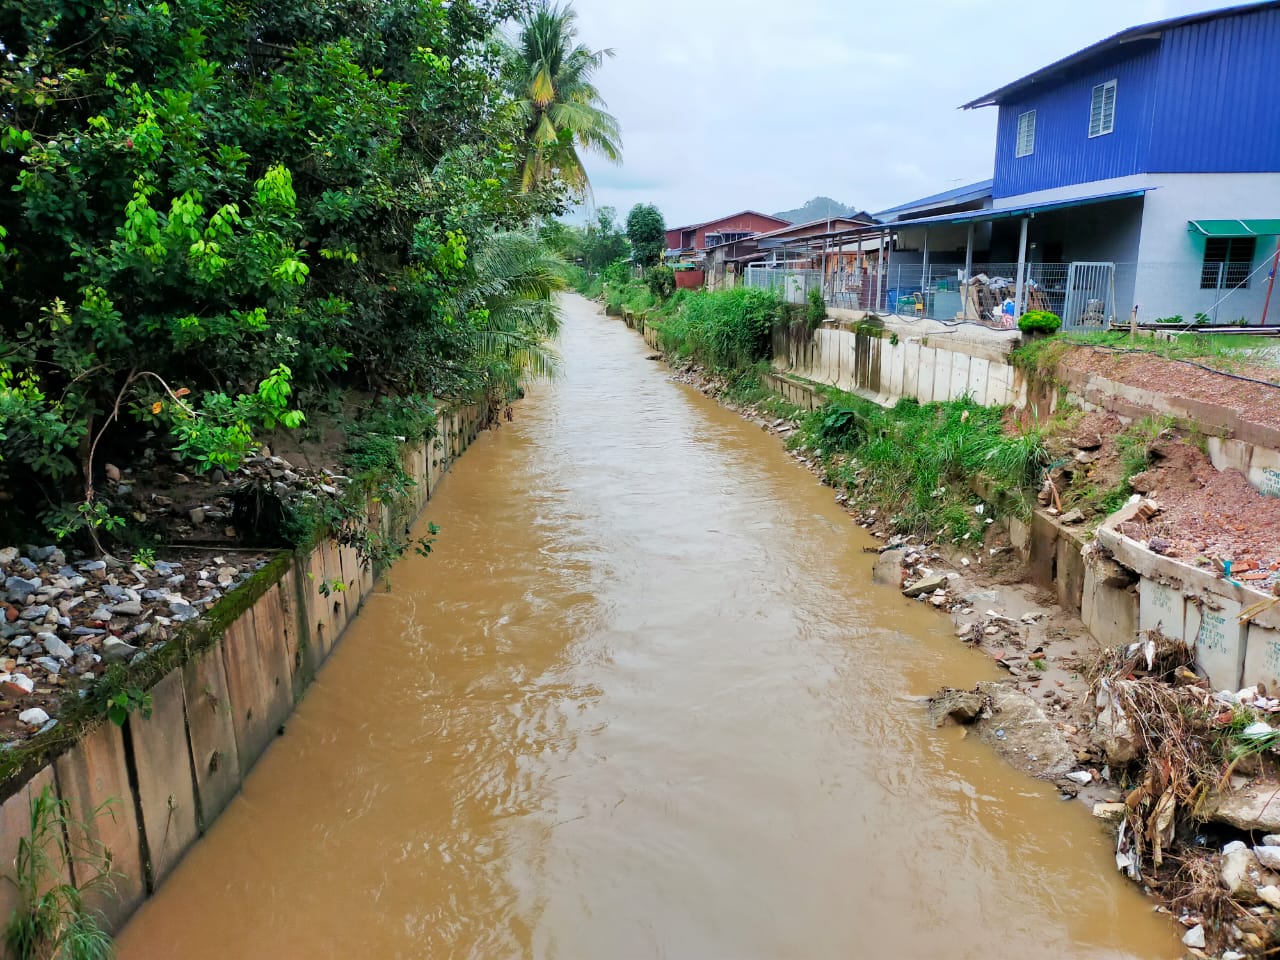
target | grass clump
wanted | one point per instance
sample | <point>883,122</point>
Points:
<point>630,293</point>
<point>922,458</point>
<point>51,918</point>
<point>728,330</point>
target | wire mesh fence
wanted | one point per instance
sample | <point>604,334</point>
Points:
<point>791,285</point>
<point>1085,294</point>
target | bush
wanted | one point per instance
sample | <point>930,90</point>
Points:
<point>817,309</point>
<point>662,282</point>
<point>727,329</point>
<point>921,457</point>
<point>1039,321</point>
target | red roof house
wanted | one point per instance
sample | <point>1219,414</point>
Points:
<point>736,226</point>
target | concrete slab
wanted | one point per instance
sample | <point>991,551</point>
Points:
<point>252,692</point>
<point>911,368</point>
<point>337,598</point>
<point>211,733</point>
<point>1162,607</point>
<point>15,825</point>
<point>1069,572</point>
<point>1262,658</point>
<point>273,630</point>
<point>1219,641</point>
<point>1109,612</point>
<point>93,779</point>
<point>166,793</point>
<point>1264,471</point>
<point>316,608</point>
<point>959,385</point>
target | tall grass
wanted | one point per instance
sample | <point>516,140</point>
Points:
<point>727,329</point>
<point>921,457</point>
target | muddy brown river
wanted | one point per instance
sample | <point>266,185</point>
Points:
<point>643,702</point>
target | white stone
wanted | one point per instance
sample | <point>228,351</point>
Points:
<point>16,684</point>
<point>1239,866</point>
<point>1270,895</point>
<point>1080,776</point>
<point>1269,857</point>
<point>34,717</point>
<point>1194,937</point>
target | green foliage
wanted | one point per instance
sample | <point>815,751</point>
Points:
<point>215,213</point>
<point>648,234</point>
<point>815,309</point>
<point>726,329</point>
<point>630,293</point>
<point>662,282</point>
<point>1039,321</point>
<point>548,75</point>
<point>921,458</point>
<point>125,701</point>
<point>51,920</point>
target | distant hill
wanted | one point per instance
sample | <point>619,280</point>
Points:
<point>819,208</point>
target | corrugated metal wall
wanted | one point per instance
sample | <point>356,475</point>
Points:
<point>1218,99</point>
<point>1064,153</point>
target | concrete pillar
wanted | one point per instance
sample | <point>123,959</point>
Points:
<point>968,253</point>
<point>1020,290</point>
<point>924,268</point>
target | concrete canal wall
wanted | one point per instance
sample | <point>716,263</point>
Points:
<point>168,777</point>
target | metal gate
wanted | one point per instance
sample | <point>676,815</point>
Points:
<point>1090,296</point>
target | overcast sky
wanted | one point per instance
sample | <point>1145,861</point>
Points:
<point>763,104</point>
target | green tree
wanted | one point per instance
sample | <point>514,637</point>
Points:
<point>604,243</point>
<point>648,234</point>
<point>213,213</point>
<point>549,76</point>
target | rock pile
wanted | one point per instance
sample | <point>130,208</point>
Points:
<point>201,507</point>
<point>62,622</point>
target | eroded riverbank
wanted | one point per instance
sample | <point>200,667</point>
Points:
<point>643,701</point>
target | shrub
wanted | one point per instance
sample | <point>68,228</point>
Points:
<point>1039,321</point>
<point>817,309</point>
<point>662,282</point>
<point>727,329</point>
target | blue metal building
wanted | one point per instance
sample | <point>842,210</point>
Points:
<point>1142,171</point>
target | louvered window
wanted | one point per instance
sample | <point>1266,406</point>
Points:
<point>1102,110</point>
<point>1026,133</point>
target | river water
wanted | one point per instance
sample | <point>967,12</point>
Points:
<point>642,702</point>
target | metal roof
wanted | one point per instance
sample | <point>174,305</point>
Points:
<point>1235,228</point>
<point>1146,31</point>
<point>969,192</point>
<point>740,213</point>
<point>1027,209</point>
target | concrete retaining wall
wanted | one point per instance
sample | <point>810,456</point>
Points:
<point>1201,609</point>
<point>884,366</point>
<point>166,778</point>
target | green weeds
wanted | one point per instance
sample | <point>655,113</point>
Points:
<point>921,458</point>
<point>727,330</point>
<point>51,918</point>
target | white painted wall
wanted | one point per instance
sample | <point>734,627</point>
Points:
<point>1170,255</point>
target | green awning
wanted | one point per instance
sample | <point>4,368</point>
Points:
<point>1235,228</point>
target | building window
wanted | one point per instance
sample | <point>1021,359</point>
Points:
<point>1227,262</point>
<point>1026,133</point>
<point>1102,110</point>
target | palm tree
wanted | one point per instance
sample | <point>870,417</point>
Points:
<point>550,78</point>
<point>513,299</point>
